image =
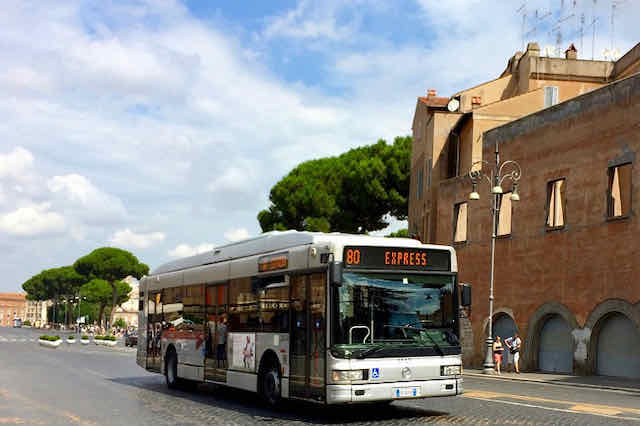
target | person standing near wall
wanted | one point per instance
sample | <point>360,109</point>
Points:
<point>514,343</point>
<point>497,353</point>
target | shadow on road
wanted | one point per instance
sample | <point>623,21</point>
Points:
<point>293,410</point>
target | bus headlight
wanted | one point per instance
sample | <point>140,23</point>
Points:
<point>450,370</point>
<point>346,375</point>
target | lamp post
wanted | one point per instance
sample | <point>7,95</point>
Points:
<point>507,170</point>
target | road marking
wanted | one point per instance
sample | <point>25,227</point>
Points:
<point>573,407</point>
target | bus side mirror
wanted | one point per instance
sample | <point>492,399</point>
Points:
<point>335,273</point>
<point>465,296</point>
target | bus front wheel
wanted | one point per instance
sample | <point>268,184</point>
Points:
<point>271,385</point>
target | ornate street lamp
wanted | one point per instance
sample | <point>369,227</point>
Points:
<point>507,170</point>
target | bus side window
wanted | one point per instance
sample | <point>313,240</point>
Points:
<point>243,306</point>
<point>274,308</point>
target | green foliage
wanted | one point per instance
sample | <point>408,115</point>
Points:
<point>27,323</point>
<point>111,264</point>
<point>111,338</point>
<point>51,283</point>
<point>120,323</point>
<point>49,338</point>
<point>71,337</point>
<point>349,193</point>
<point>84,337</point>
<point>100,292</point>
<point>400,233</point>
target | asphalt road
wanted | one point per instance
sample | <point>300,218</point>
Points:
<point>94,385</point>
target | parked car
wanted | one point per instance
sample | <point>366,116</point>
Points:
<point>131,339</point>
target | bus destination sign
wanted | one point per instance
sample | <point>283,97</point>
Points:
<point>396,258</point>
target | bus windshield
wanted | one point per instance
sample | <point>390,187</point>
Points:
<point>394,314</point>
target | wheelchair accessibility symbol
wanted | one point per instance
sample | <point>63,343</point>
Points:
<point>375,373</point>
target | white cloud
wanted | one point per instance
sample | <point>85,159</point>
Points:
<point>128,238</point>
<point>312,20</point>
<point>32,221</point>
<point>236,234</point>
<point>97,206</point>
<point>184,250</point>
<point>16,164</point>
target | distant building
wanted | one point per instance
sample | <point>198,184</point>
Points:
<point>566,274</point>
<point>128,311</point>
<point>12,306</point>
<point>36,312</point>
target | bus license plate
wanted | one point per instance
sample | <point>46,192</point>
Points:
<point>406,392</point>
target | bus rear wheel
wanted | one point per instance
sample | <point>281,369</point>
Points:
<point>171,372</point>
<point>270,385</point>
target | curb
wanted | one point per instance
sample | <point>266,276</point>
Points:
<point>554,382</point>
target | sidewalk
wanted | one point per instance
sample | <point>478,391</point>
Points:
<point>597,382</point>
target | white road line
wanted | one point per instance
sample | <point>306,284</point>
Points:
<point>563,410</point>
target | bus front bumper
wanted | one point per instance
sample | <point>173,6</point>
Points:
<point>343,394</point>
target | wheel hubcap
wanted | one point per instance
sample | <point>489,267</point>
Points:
<point>272,385</point>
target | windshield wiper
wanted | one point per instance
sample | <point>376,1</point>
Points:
<point>369,351</point>
<point>435,345</point>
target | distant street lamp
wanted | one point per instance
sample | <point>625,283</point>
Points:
<point>507,170</point>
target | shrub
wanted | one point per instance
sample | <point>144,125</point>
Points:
<point>112,338</point>
<point>72,337</point>
<point>49,338</point>
<point>27,323</point>
<point>84,337</point>
<point>98,337</point>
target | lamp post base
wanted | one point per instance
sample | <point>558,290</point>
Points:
<point>489,366</point>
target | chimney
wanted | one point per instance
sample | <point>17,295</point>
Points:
<point>571,52</point>
<point>431,93</point>
<point>533,49</point>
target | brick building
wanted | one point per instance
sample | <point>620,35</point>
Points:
<point>12,305</point>
<point>565,255</point>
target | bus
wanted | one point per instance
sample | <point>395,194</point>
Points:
<point>331,318</point>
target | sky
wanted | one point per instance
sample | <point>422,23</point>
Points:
<point>159,126</point>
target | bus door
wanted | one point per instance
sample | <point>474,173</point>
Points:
<point>154,331</point>
<point>308,339</point>
<point>215,363</point>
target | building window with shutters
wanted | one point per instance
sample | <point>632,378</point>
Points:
<point>619,193</point>
<point>555,205</point>
<point>503,227</point>
<point>550,96</point>
<point>460,222</point>
<point>420,179</point>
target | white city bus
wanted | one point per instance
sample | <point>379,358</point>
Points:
<point>332,318</point>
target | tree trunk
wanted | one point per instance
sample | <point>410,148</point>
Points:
<point>102,306</point>
<point>114,300</point>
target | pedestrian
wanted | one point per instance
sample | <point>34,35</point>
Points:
<point>497,353</point>
<point>514,343</point>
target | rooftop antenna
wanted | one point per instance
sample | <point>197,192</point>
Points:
<point>523,10</point>
<point>614,6</point>
<point>581,31</point>
<point>539,17</point>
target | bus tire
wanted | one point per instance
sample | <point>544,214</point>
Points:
<point>171,371</point>
<point>270,383</point>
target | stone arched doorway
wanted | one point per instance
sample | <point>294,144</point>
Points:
<point>503,326</point>
<point>618,347</point>
<point>555,346</point>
